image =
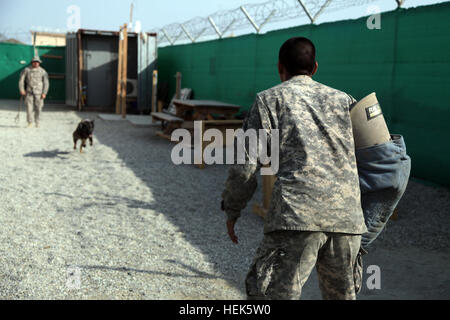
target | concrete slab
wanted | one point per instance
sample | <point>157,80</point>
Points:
<point>141,121</point>
<point>111,117</point>
<point>135,120</point>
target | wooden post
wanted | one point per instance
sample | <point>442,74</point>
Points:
<point>267,188</point>
<point>178,87</point>
<point>199,130</point>
<point>202,165</point>
<point>154,90</point>
<point>124,72</point>
<point>394,215</point>
<point>119,73</point>
<point>80,71</point>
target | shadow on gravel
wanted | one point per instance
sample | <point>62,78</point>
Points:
<point>188,197</point>
<point>16,126</point>
<point>53,106</point>
<point>47,154</point>
<point>196,273</point>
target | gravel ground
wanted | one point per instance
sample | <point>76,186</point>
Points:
<point>120,221</point>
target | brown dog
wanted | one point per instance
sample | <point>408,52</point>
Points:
<point>84,131</point>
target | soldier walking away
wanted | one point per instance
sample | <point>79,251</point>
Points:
<point>315,217</point>
<point>34,85</point>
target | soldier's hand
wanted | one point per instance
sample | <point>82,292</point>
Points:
<point>43,96</point>
<point>230,228</point>
<point>22,92</point>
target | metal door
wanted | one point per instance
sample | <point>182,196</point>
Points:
<point>100,68</point>
<point>71,69</point>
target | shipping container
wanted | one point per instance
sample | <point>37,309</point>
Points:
<point>91,70</point>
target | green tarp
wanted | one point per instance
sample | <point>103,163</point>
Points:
<point>406,62</point>
<point>15,57</point>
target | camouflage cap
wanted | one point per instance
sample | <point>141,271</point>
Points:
<point>36,59</point>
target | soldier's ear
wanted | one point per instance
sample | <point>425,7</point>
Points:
<point>281,72</point>
<point>316,66</point>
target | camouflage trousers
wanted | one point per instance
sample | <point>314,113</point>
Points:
<point>285,259</point>
<point>34,105</point>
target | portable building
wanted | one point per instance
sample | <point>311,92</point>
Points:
<point>92,68</point>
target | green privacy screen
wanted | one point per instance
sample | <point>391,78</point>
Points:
<point>407,63</point>
<point>11,56</point>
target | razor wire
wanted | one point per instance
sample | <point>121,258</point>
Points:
<point>256,16</point>
<point>19,35</point>
<point>26,36</point>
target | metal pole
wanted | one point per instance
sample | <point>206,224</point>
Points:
<point>229,26</point>
<point>34,44</point>
<point>306,11</point>
<point>187,33</point>
<point>267,20</point>
<point>250,18</point>
<point>199,35</point>
<point>167,36</point>
<point>131,15</point>
<point>161,36</point>
<point>321,9</point>
<point>215,27</point>
<point>178,36</point>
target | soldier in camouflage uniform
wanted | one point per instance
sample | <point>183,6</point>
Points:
<point>315,217</point>
<point>34,85</point>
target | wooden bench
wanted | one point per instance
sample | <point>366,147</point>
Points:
<point>166,117</point>
<point>173,121</point>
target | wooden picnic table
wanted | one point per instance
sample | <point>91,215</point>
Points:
<point>188,111</point>
<point>205,109</point>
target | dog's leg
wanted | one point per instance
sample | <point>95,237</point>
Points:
<point>75,144</point>
<point>83,144</point>
<point>91,141</point>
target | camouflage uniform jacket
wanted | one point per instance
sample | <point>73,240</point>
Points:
<point>36,80</point>
<point>317,187</point>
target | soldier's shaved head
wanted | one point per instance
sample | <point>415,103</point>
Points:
<point>298,56</point>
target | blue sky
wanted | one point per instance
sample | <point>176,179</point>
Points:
<point>19,16</point>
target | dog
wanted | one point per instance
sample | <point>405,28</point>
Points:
<point>84,131</point>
